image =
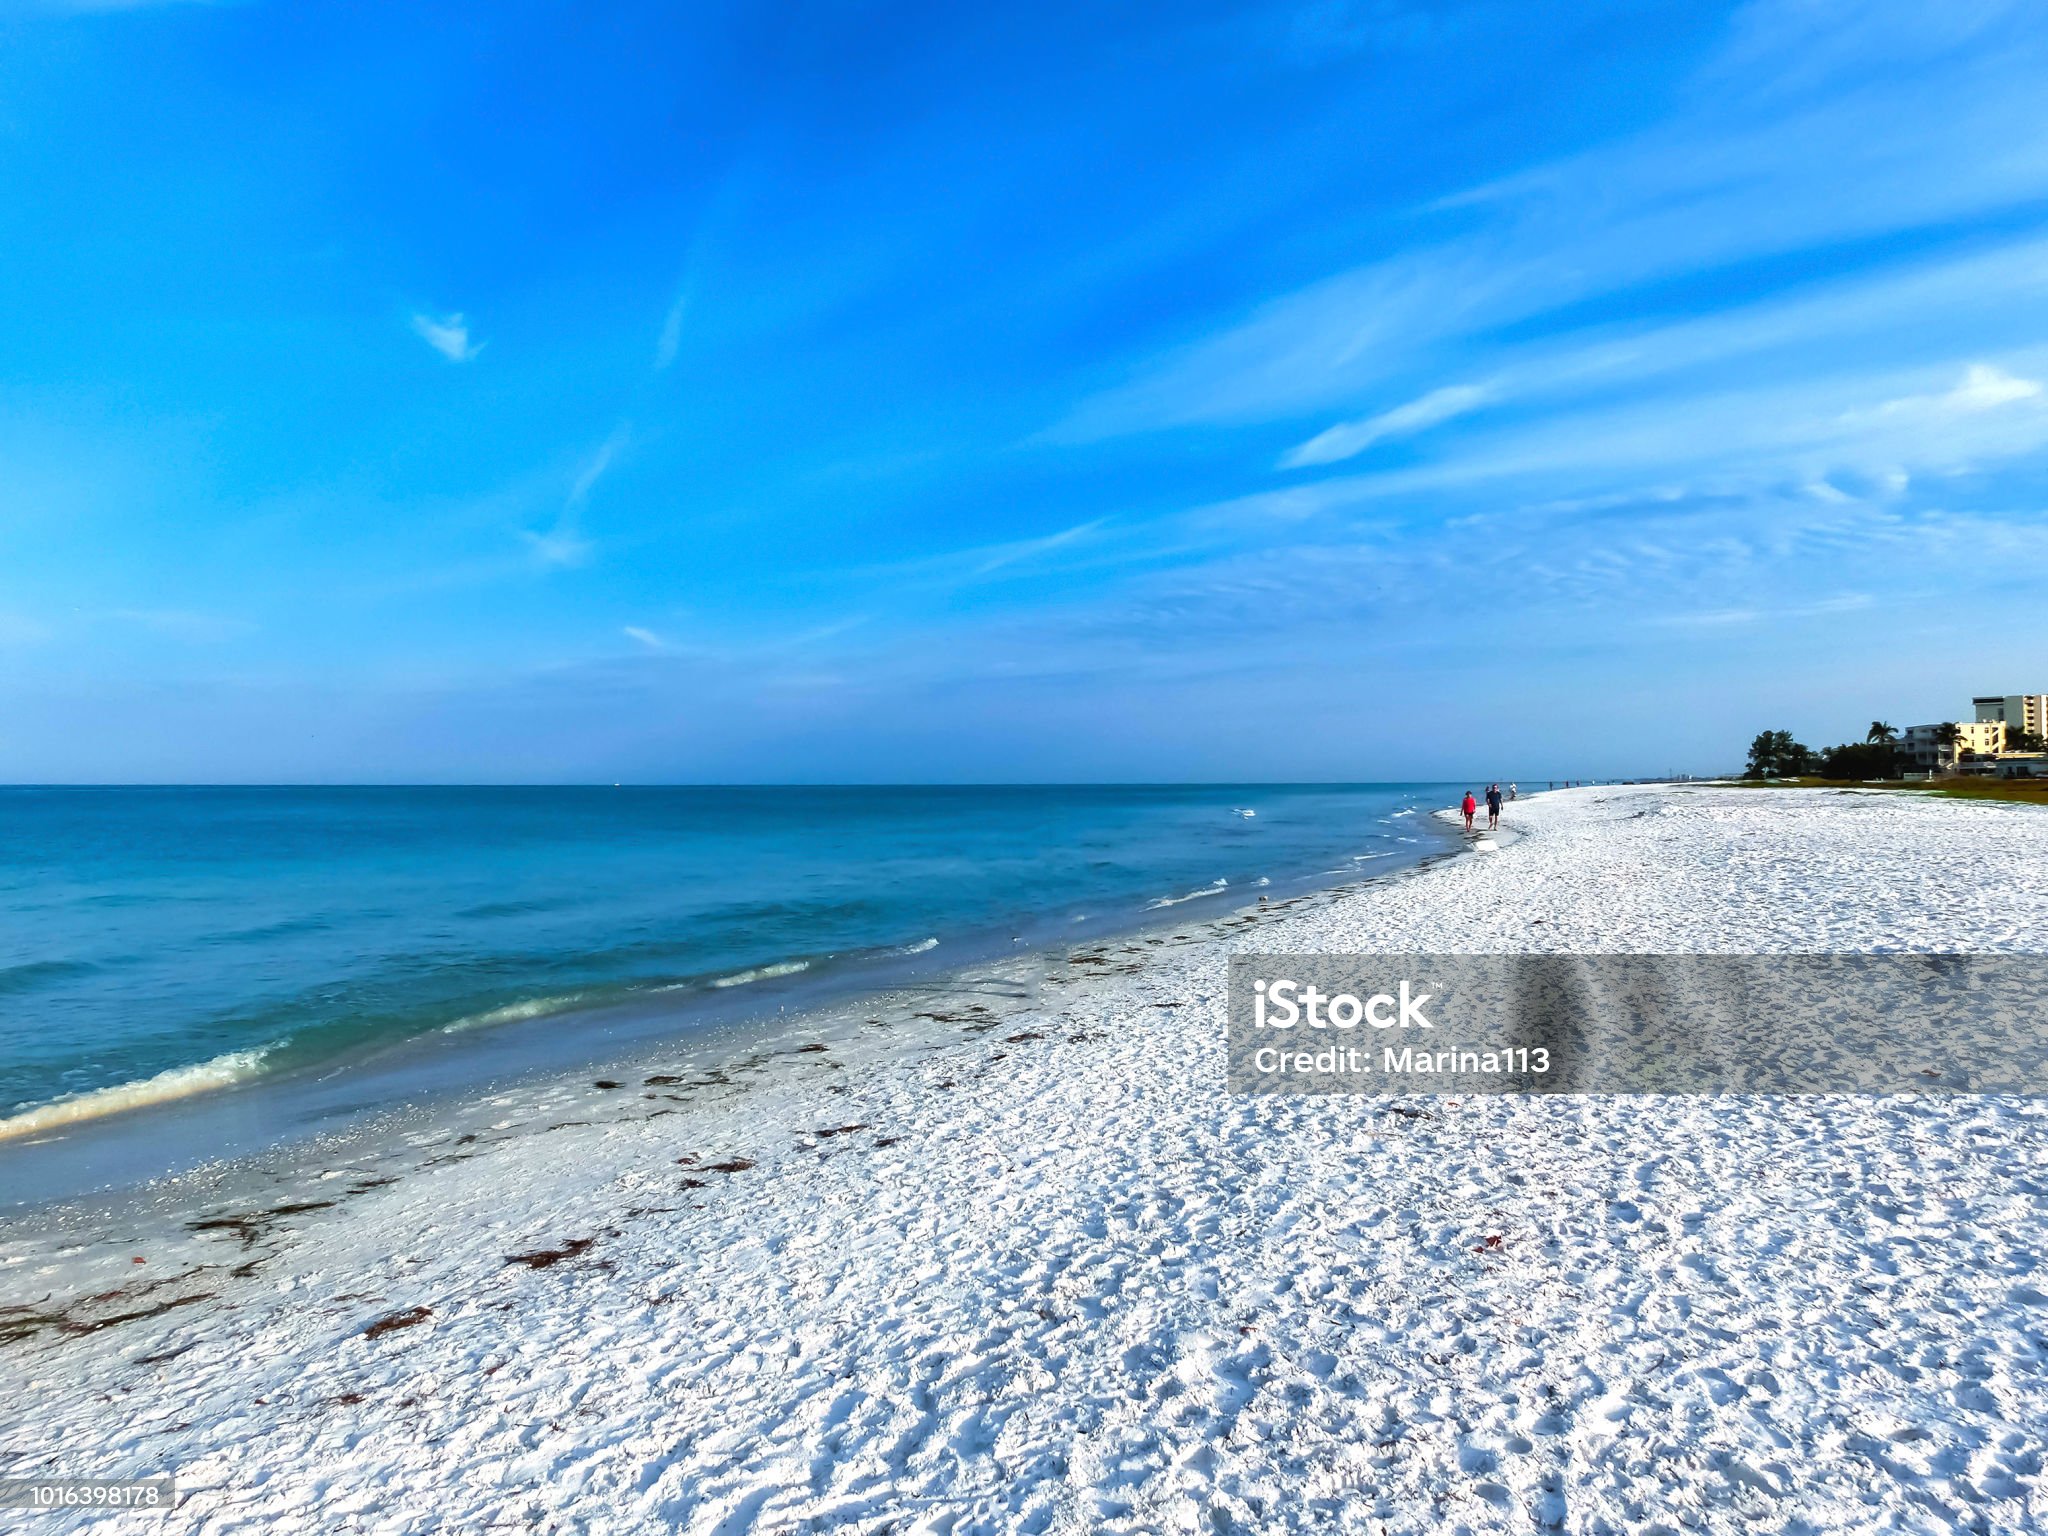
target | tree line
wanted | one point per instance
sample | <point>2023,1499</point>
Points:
<point>1777,755</point>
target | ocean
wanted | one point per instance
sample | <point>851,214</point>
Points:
<point>157,944</point>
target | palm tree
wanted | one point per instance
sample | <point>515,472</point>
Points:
<point>1946,737</point>
<point>1880,732</point>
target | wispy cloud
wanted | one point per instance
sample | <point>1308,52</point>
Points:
<point>1898,126</point>
<point>594,471</point>
<point>447,335</point>
<point>1777,430</point>
<point>670,341</point>
<point>989,560</point>
<point>1984,387</point>
<point>564,545</point>
<point>646,637</point>
<point>1822,348</point>
<point>1736,618</point>
<point>1351,438</point>
<point>560,547</point>
<point>960,568</point>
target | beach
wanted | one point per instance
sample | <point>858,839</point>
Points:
<point>998,1253</point>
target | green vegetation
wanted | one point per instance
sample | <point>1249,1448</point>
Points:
<point>1780,757</point>
<point>1859,760</point>
<point>1775,755</point>
<point>2025,791</point>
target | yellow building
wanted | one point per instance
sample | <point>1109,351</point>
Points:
<point>2016,711</point>
<point>1919,747</point>
<point>1983,737</point>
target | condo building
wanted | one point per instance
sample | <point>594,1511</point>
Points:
<point>1919,747</point>
<point>2016,711</point>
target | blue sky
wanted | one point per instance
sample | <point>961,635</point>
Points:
<point>840,392</point>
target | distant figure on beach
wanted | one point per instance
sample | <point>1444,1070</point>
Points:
<point>1513,792</point>
<point>1492,806</point>
<point>1469,807</point>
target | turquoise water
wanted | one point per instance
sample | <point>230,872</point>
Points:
<point>157,942</point>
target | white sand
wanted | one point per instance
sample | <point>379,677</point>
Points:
<point>1058,1281</point>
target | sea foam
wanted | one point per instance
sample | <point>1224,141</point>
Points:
<point>177,1083</point>
<point>1173,901</point>
<point>513,1013</point>
<point>763,973</point>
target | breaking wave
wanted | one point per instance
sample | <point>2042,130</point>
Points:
<point>763,973</point>
<point>1173,901</point>
<point>177,1083</point>
<point>513,1013</point>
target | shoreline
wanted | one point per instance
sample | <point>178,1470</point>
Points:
<point>1009,1255</point>
<point>634,914</point>
<point>232,1121</point>
<point>257,1195</point>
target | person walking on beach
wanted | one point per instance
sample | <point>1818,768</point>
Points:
<point>1468,808</point>
<point>1514,792</point>
<point>1492,806</point>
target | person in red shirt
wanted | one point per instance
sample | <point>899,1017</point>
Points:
<point>1468,808</point>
